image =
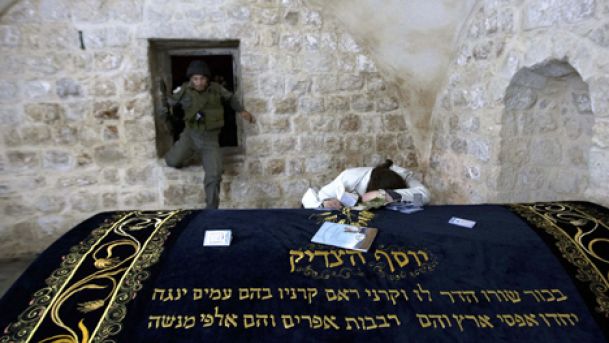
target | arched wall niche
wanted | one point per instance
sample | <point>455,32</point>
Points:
<point>487,162</point>
<point>546,135</point>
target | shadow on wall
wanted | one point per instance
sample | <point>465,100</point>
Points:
<point>547,125</point>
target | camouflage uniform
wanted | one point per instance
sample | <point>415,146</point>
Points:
<point>203,118</point>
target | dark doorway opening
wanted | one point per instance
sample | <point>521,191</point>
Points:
<point>169,60</point>
<point>221,67</point>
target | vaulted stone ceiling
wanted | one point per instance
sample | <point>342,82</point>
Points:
<point>412,41</point>
<point>415,40</point>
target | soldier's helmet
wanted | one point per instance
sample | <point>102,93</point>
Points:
<point>198,67</point>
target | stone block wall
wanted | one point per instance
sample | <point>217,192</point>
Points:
<point>545,135</point>
<point>77,114</point>
<point>77,117</point>
<point>475,108</point>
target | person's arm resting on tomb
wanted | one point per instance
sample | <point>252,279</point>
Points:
<point>327,197</point>
<point>414,186</point>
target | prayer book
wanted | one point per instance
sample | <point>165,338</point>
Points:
<point>345,236</point>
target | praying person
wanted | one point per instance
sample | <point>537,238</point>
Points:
<point>386,181</point>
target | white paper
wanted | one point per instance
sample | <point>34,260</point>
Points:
<point>462,222</point>
<point>217,238</point>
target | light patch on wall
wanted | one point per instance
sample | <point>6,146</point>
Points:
<point>411,38</point>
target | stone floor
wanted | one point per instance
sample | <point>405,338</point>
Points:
<point>11,269</point>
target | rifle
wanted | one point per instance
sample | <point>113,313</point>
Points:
<point>175,113</point>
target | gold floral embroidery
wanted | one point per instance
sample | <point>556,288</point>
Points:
<point>580,232</point>
<point>344,216</point>
<point>89,306</point>
<point>111,262</point>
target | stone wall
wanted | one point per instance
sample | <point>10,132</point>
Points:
<point>77,115</point>
<point>545,135</point>
<point>470,135</point>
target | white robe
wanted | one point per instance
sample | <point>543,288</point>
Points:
<point>355,180</point>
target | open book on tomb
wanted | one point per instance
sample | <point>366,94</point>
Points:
<point>345,236</point>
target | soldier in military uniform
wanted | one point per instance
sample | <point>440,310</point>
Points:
<point>202,101</point>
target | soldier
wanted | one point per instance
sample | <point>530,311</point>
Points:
<point>201,101</point>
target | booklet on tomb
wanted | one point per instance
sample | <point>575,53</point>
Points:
<point>345,236</point>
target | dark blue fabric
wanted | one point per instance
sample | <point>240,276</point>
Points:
<point>500,252</point>
<point>16,298</point>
